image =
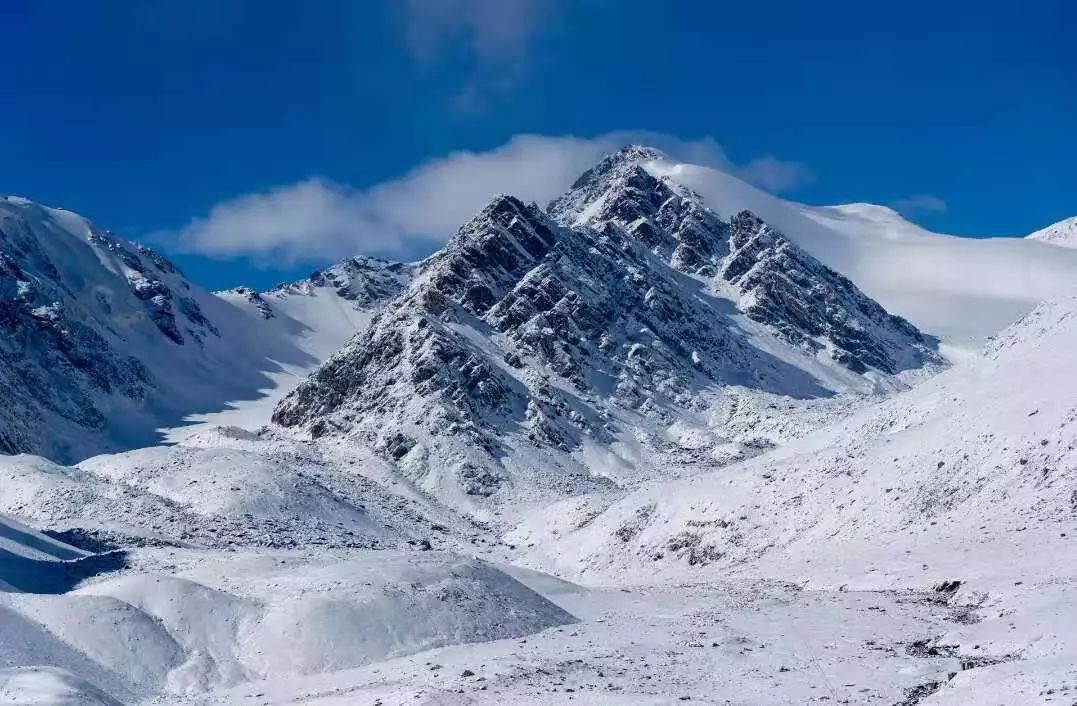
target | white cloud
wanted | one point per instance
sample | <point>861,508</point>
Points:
<point>317,221</point>
<point>921,203</point>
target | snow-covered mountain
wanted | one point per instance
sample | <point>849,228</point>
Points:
<point>979,451</point>
<point>962,290</point>
<point>1063,233</point>
<point>532,339</point>
<point>104,341</point>
<point>673,388</point>
<point>964,483</point>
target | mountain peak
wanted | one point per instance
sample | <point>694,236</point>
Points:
<point>638,153</point>
<point>528,338</point>
<point>363,280</point>
<point>503,211</point>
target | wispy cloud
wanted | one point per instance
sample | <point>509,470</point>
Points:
<point>921,203</point>
<point>491,30</point>
<point>491,39</point>
<point>317,220</point>
<point>777,175</point>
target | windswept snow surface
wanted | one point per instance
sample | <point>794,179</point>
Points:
<point>179,622</point>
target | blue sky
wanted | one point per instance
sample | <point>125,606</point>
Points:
<point>146,114</point>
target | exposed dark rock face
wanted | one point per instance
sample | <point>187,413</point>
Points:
<point>619,192</point>
<point>73,301</point>
<point>411,352</point>
<point>264,309</point>
<point>551,330</point>
<point>814,307</point>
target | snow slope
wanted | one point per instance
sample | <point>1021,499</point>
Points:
<point>226,489</point>
<point>1063,233</point>
<point>961,289</point>
<point>966,478</point>
<point>991,443</point>
<point>749,642</point>
<point>180,622</point>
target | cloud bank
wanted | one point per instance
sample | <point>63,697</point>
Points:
<point>317,221</point>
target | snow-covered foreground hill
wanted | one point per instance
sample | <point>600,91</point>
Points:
<point>179,622</point>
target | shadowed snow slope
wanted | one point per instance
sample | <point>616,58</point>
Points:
<point>103,341</point>
<point>33,563</point>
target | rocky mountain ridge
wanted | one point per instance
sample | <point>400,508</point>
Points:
<point>535,335</point>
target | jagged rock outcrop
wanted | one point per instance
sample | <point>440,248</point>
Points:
<point>255,298</point>
<point>814,307</point>
<point>364,281</point>
<point>673,224</point>
<point>541,334</point>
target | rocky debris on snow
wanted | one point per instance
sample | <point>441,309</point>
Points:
<point>264,309</point>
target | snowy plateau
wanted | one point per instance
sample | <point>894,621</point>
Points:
<point>666,439</point>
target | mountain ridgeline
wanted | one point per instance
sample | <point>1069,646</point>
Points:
<point>619,309</point>
<point>103,341</point>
